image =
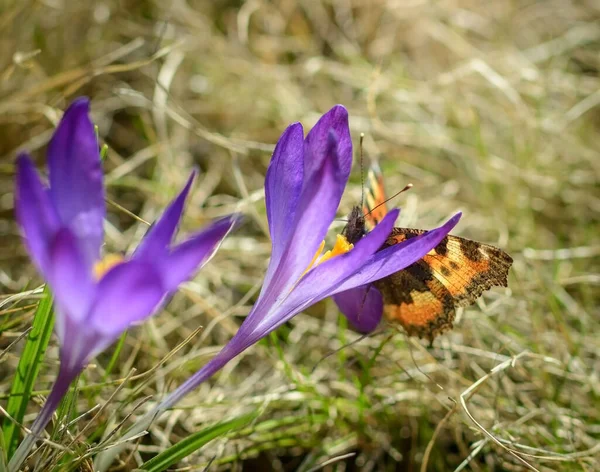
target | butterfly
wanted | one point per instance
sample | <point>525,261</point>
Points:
<point>423,298</point>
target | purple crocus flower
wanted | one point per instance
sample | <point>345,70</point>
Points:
<point>95,300</point>
<point>304,184</point>
<point>303,188</point>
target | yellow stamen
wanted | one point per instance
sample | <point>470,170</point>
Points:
<point>342,246</point>
<point>103,266</point>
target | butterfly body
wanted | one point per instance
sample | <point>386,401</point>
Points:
<point>356,227</point>
<point>423,297</point>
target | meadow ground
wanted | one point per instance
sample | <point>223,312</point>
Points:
<point>487,107</point>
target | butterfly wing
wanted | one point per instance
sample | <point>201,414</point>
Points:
<point>423,297</point>
<point>417,300</point>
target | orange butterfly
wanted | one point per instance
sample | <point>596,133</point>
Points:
<point>424,296</point>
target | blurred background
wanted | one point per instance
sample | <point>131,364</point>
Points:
<point>489,107</point>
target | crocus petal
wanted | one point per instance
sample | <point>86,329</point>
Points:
<point>75,174</point>
<point>316,210</point>
<point>363,306</point>
<point>158,238</point>
<point>283,184</point>
<point>316,145</point>
<point>128,293</point>
<point>35,212</point>
<point>187,257</point>
<point>398,256</point>
<point>70,280</point>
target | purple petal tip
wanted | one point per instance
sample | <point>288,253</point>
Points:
<point>296,125</point>
<point>77,112</point>
<point>339,110</point>
<point>191,179</point>
<point>78,109</point>
<point>236,219</point>
<point>395,212</point>
<point>80,102</point>
<point>338,116</point>
<point>23,159</point>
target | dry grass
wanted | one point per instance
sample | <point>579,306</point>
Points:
<point>488,107</point>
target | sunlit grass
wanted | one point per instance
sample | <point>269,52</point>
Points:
<point>486,107</point>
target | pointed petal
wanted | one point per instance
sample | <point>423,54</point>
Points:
<point>130,292</point>
<point>158,238</point>
<point>317,142</point>
<point>69,278</point>
<point>35,213</point>
<point>188,257</point>
<point>398,257</point>
<point>75,174</point>
<point>363,306</point>
<point>316,210</point>
<point>283,184</point>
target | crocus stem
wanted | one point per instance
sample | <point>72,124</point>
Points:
<point>59,389</point>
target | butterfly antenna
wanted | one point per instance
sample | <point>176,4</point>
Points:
<point>362,170</point>
<point>408,187</point>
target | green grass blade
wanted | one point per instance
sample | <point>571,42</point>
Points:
<point>27,370</point>
<point>3,458</point>
<point>194,442</point>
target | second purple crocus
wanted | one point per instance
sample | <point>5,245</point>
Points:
<point>95,299</point>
